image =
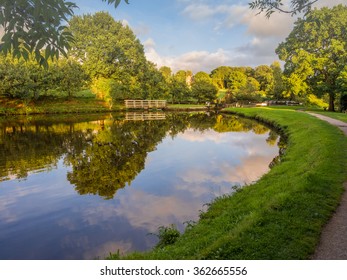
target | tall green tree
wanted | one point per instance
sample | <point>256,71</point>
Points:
<point>203,88</point>
<point>69,76</point>
<point>264,75</point>
<point>315,52</point>
<point>15,79</point>
<point>220,76</point>
<point>278,87</point>
<point>33,26</point>
<point>111,55</point>
<point>179,89</point>
<point>166,72</point>
<point>237,80</point>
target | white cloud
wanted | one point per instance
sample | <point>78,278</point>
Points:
<point>199,11</point>
<point>264,36</point>
<point>222,15</point>
<point>278,25</point>
<point>195,60</point>
<point>171,209</point>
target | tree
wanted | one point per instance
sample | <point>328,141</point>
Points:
<point>237,80</point>
<point>32,26</point>
<point>270,6</point>
<point>203,88</point>
<point>315,52</point>
<point>179,88</point>
<point>166,72</point>
<point>220,76</point>
<point>264,75</point>
<point>15,79</point>
<point>278,87</point>
<point>111,55</point>
<point>70,77</point>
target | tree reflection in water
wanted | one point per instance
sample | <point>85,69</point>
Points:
<point>105,153</point>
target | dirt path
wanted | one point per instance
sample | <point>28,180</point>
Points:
<point>333,242</point>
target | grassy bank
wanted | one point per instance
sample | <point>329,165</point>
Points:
<point>280,216</point>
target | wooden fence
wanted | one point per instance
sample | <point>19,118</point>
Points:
<point>145,104</point>
<point>144,116</point>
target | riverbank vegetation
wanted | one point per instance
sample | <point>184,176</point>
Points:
<point>281,215</point>
<point>113,67</point>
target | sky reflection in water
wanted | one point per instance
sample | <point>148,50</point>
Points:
<point>79,189</point>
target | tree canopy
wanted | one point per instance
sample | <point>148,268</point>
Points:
<point>315,53</point>
<point>31,26</point>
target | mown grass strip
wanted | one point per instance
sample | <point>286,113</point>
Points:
<point>282,215</point>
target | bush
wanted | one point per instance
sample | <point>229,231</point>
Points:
<point>167,236</point>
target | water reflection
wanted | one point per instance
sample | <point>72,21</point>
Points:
<point>134,176</point>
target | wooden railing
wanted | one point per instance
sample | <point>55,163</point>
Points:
<point>145,104</point>
<point>144,116</point>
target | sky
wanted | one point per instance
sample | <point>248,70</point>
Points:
<point>200,35</point>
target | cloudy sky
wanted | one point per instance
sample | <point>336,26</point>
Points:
<point>202,34</point>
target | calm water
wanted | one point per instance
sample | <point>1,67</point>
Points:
<point>79,187</point>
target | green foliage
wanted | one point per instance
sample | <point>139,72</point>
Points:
<point>102,88</point>
<point>115,2</point>
<point>15,79</point>
<point>166,72</point>
<point>278,86</point>
<point>167,236</point>
<point>37,28</point>
<point>31,26</point>
<point>69,76</point>
<point>315,53</point>
<point>314,100</point>
<point>26,80</point>
<point>237,80</point>
<point>114,59</point>
<point>246,83</point>
<point>204,91</point>
<point>179,87</point>
<point>220,76</point>
<point>264,75</point>
<point>203,88</point>
<point>270,6</point>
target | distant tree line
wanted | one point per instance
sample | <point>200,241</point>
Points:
<point>106,57</point>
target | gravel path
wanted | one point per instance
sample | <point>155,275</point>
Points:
<point>333,242</point>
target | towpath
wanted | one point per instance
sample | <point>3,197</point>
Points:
<point>333,242</point>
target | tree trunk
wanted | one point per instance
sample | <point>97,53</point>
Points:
<point>331,102</point>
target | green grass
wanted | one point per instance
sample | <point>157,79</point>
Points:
<point>282,215</point>
<point>285,107</point>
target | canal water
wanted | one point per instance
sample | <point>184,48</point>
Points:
<point>82,186</point>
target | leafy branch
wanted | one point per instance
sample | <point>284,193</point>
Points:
<point>271,6</point>
<point>37,27</point>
